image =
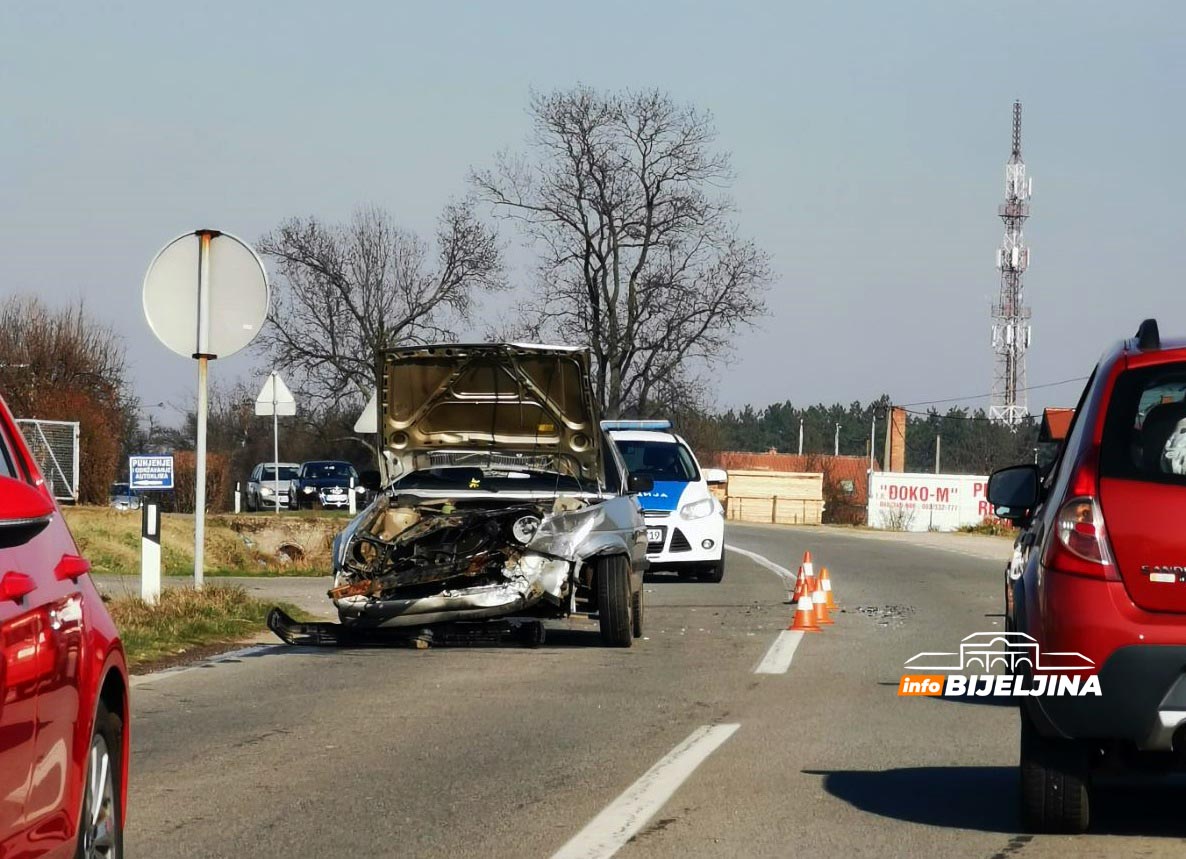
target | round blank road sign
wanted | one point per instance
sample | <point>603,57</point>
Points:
<point>236,295</point>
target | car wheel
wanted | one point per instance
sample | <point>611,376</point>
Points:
<point>1055,780</point>
<point>100,835</point>
<point>613,601</point>
<point>713,572</point>
<point>636,613</point>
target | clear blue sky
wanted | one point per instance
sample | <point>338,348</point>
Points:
<point>869,141</point>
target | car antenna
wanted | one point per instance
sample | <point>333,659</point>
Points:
<point>1148,337</point>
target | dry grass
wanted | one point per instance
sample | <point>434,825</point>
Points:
<point>991,528</point>
<point>235,545</point>
<point>186,620</point>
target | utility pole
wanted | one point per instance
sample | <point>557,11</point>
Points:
<point>836,451</point>
<point>800,435</point>
<point>872,439</point>
<point>938,442</point>
<point>1010,315</point>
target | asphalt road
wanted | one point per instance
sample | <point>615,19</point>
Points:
<point>512,752</point>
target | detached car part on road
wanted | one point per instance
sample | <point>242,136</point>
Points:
<point>509,501</point>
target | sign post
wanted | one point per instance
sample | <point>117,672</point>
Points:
<point>205,296</point>
<point>275,399</point>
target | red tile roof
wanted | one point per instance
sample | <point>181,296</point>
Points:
<point>1055,423</point>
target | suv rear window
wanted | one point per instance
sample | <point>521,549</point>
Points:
<point>1145,429</point>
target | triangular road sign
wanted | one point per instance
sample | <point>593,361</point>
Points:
<point>368,421</point>
<point>275,392</point>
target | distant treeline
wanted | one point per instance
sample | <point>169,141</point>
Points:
<point>970,443</point>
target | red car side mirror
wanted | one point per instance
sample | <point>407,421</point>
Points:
<point>24,512</point>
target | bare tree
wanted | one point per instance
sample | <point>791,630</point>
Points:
<point>639,258</point>
<point>60,363</point>
<point>347,290</point>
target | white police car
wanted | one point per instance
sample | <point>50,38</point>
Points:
<point>685,523</point>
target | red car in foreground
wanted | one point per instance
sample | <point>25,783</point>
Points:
<point>63,680</point>
<point>1100,571</point>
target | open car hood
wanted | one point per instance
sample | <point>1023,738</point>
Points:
<point>529,405</point>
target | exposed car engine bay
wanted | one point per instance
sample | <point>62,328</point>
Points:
<point>409,556</point>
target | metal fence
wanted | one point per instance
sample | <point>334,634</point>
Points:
<point>54,445</point>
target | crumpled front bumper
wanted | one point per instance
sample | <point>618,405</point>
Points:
<point>533,579</point>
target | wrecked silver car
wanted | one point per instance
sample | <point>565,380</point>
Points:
<point>501,499</point>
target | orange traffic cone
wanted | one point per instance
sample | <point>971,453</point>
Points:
<point>819,605</point>
<point>804,616</point>
<point>825,582</point>
<point>809,571</point>
<point>800,587</point>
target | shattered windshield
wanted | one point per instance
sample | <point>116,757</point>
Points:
<point>454,478</point>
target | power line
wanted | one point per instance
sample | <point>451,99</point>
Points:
<point>987,396</point>
<point>950,417</point>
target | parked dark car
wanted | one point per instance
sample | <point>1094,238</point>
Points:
<point>1099,571</point>
<point>63,679</point>
<point>325,483</point>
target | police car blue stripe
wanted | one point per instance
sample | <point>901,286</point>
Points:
<point>665,496</point>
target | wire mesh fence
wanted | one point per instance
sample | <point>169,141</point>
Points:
<point>54,445</point>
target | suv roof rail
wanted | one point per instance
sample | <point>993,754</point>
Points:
<point>1148,337</point>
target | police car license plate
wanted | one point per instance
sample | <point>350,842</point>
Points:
<point>654,535</point>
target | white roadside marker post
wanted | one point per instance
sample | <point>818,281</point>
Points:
<point>353,499</point>
<point>238,498</point>
<point>150,554</point>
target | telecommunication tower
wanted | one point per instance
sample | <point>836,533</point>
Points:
<point>1010,315</point>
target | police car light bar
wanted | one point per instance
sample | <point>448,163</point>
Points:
<point>636,425</point>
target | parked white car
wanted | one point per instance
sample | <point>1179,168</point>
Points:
<point>264,486</point>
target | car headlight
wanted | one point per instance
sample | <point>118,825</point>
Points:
<point>562,534</point>
<point>360,489</point>
<point>308,490</point>
<point>265,490</point>
<point>698,509</point>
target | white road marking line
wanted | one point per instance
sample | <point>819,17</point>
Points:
<point>141,679</point>
<point>778,658</point>
<point>621,820</point>
<point>782,572</point>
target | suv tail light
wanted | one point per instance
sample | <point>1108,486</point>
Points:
<point>1079,542</point>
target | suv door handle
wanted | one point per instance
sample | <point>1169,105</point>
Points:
<point>71,567</point>
<point>15,586</point>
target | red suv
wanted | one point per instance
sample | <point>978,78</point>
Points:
<point>1099,571</point>
<point>63,680</point>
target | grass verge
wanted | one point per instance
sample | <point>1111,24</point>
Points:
<point>247,545</point>
<point>187,622</point>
